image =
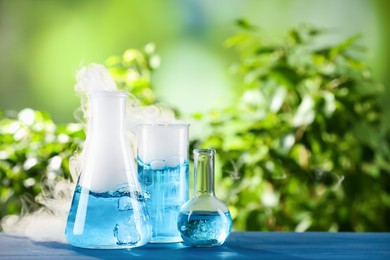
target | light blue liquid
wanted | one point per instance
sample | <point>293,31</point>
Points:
<point>204,228</point>
<point>166,190</point>
<point>114,219</point>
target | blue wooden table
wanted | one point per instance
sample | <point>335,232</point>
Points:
<point>240,245</point>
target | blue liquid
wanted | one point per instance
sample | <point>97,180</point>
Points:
<point>114,219</point>
<point>165,191</point>
<point>204,228</point>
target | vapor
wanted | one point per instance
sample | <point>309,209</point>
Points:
<point>48,223</point>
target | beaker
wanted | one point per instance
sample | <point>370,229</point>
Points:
<point>163,174</point>
<point>204,220</point>
<point>108,208</point>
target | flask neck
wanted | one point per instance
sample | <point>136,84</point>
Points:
<point>204,172</point>
<point>107,114</point>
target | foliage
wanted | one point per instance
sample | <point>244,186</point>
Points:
<point>132,72</point>
<point>34,153</point>
<point>303,146</point>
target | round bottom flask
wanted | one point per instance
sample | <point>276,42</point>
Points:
<point>204,221</point>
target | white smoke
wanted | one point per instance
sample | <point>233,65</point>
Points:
<point>95,78</point>
<point>153,114</point>
<point>48,223</point>
<point>92,78</point>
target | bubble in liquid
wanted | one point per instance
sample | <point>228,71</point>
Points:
<point>204,228</point>
<point>157,164</point>
<point>125,203</point>
<point>127,233</point>
<point>146,195</point>
<point>173,161</point>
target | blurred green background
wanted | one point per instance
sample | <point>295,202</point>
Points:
<point>43,43</point>
<point>317,159</point>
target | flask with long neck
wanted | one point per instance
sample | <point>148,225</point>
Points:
<point>108,208</point>
<point>204,220</point>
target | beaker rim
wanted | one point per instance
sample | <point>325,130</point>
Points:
<point>115,93</point>
<point>178,124</point>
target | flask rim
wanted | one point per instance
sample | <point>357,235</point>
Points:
<point>204,151</point>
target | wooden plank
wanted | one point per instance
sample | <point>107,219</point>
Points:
<point>240,245</point>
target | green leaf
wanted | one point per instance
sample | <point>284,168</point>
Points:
<point>340,48</point>
<point>245,24</point>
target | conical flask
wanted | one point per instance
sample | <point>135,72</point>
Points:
<point>108,209</point>
<point>204,220</point>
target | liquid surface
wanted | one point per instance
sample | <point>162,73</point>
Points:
<point>113,219</point>
<point>165,190</point>
<point>204,228</point>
